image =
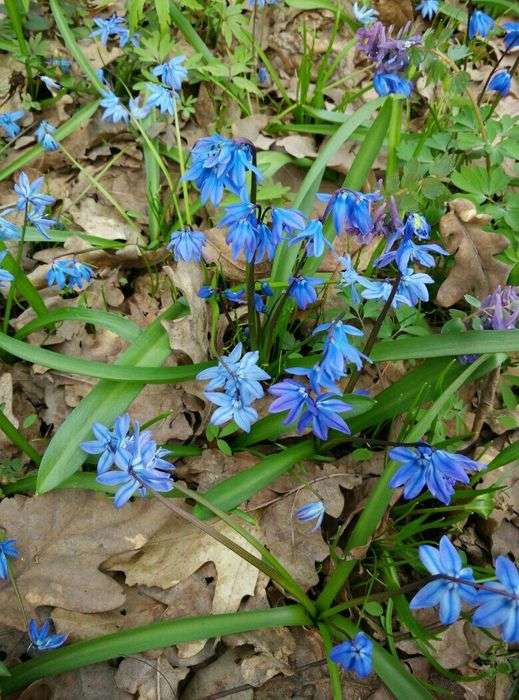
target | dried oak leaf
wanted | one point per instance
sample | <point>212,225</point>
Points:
<point>475,269</point>
<point>63,538</point>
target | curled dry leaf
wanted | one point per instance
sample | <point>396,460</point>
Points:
<point>475,270</point>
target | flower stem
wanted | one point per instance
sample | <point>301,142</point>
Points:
<point>19,271</point>
<point>249,272</point>
<point>182,166</point>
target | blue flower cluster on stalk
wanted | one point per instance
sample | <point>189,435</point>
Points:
<point>187,244</point>
<point>70,273</point>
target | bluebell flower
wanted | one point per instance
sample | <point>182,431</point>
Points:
<point>318,378</point>
<point>235,371</point>
<point>139,466</point>
<point>8,550</point>
<point>8,230</point>
<point>160,96</point>
<point>350,210</point>
<point>313,236</point>
<point>511,39</point>
<point>350,278</point>
<point>50,83</point>
<point>36,217</point>
<point>114,26</point>
<point>58,273</point>
<point>392,84</point>
<point>80,274</point>
<point>219,164</point>
<point>64,64</point>
<point>8,123</point>
<point>114,110</point>
<point>29,193</point>
<point>412,288</point>
<point>355,655</point>
<point>292,396</point>
<point>187,245</point>
<point>323,415</point>
<point>416,225</point>
<point>263,77</point>
<point>266,243</point>
<point>286,221</point>
<point>437,470</point>
<point>501,82</point>
<point>428,8</point>
<point>448,594</point>
<point>206,292</point>
<point>379,290</point>
<point>364,14</point>
<point>5,276</point>
<point>107,442</point>
<point>260,298</point>
<point>234,295</point>
<point>408,251</point>
<point>480,24</point>
<point>231,407</point>
<point>337,350</point>
<point>172,73</point>
<point>311,511</point>
<point>45,138</point>
<point>499,607</point>
<point>242,237</point>
<point>41,637</point>
<point>302,290</point>
<point>136,110</point>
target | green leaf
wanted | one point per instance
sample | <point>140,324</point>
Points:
<point>24,286</point>
<point>155,636</point>
<point>103,403</point>
<point>162,10</point>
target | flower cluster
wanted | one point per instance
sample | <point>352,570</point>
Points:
<point>187,244</point>
<point>70,273</point>
<point>114,27</point>
<point>428,8</point>
<point>132,462</point>
<point>44,135</point>
<point>364,14</point>
<point>33,204</point>
<point>9,123</point>
<point>239,379</point>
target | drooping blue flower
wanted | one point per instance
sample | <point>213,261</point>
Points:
<point>311,511</point>
<point>218,164</point>
<point>234,295</point>
<point>292,396</point>
<point>428,8</point>
<point>355,655</point>
<point>187,244</point>
<point>499,607</point>
<point>139,466</point>
<point>44,134</point>
<point>137,111</point>
<point>319,379</point>
<point>29,193</point>
<point>206,292</point>
<point>337,350</point>
<point>364,14</point>
<point>58,273</point>
<point>114,26</point>
<point>160,96</point>
<point>323,415</point>
<point>350,210</point>
<point>5,276</point>
<point>412,288</point>
<point>302,290</point>
<point>408,251</point>
<point>286,221</point>
<point>263,77</point>
<point>231,407</point>
<point>260,298</point>
<point>501,82</point>
<point>480,24</point>
<point>172,73</point>
<point>350,278</point>
<point>41,637</point>
<point>80,274</point>
<point>266,243</point>
<point>448,594</point>
<point>8,550</point>
<point>512,35</point>
<point>242,237</point>
<point>8,123</point>
<point>50,83</point>
<point>36,217</point>
<point>314,238</point>
<point>107,442</point>
<point>64,64</point>
<point>416,225</point>
<point>438,470</point>
<point>8,230</point>
<point>114,110</point>
<point>392,84</point>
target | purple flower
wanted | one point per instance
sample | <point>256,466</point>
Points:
<point>389,54</point>
<point>292,396</point>
<point>437,470</point>
<point>187,245</point>
<point>445,592</point>
<point>8,550</point>
<point>480,24</point>
<point>302,290</point>
<point>499,607</point>
<point>501,82</point>
<point>323,415</point>
<point>42,639</point>
<point>311,511</point>
<point>350,210</point>
<point>355,655</point>
<point>499,311</point>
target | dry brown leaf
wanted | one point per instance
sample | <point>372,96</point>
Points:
<point>298,145</point>
<point>63,539</point>
<point>394,13</point>
<point>222,674</point>
<point>475,270</point>
<point>149,679</point>
<point>459,644</point>
<point>90,683</point>
<point>212,466</point>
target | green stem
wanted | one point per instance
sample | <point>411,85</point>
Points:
<point>11,8</point>
<point>19,271</point>
<point>182,166</point>
<point>17,438</point>
<point>249,270</point>
<point>333,669</point>
<point>395,128</point>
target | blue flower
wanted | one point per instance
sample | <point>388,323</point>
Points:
<point>263,77</point>
<point>232,407</point>
<point>355,655</point>
<point>408,251</point>
<point>8,123</point>
<point>364,14</point>
<point>36,217</point>
<point>136,110</point>
<point>260,298</point>
<point>172,73</point>
<point>242,229</point>
<point>292,396</point>
<point>448,594</point>
<point>187,245</point>
<point>64,64</point>
<point>107,442</point>
<point>8,230</point>
<point>379,290</point>
<point>311,511</point>
<point>50,83</point>
<point>499,607</point>
<point>314,237</point>
<point>115,111</point>
<point>392,84</point>
<point>302,290</point>
<point>219,164</point>
<point>29,193</point>
<point>45,138</point>
<point>139,466</point>
<point>428,8</point>
<point>5,276</point>
<point>337,350</point>
<point>234,295</point>
<point>286,221</point>
<point>512,35</point>
<point>480,24</point>
<point>266,243</point>
<point>7,551</point>
<point>114,26</point>
<point>412,288</point>
<point>350,211</point>
<point>323,415</point>
<point>350,278</point>
<point>41,637</point>
<point>261,3</point>
<point>501,82</point>
<point>437,469</point>
<point>319,379</point>
<point>80,274</point>
<point>160,96</point>
<point>206,292</point>
<point>416,225</point>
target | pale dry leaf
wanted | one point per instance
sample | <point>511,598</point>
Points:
<point>63,540</point>
<point>459,644</point>
<point>95,682</point>
<point>298,145</point>
<point>250,127</point>
<point>149,679</point>
<point>101,219</point>
<point>217,251</point>
<point>475,270</point>
<point>222,674</point>
<point>394,13</point>
<point>212,466</point>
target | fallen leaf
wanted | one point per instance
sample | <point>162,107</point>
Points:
<point>459,644</point>
<point>148,678</point>
<point>475,270</point>
<point>212,466</point>
<point>222,674</point>
<point>298,145</point>
<point>395,13</point>
<point>88,683</point>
